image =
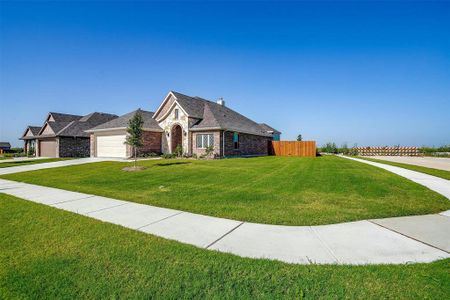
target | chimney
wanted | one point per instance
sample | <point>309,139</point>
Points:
<point>220,101</point>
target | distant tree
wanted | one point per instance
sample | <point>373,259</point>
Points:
<point>330,148</point>
<point>134,130</point>
<point>299,137</point>
<point>344,149</point>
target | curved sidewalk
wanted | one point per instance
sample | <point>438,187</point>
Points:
<point>362,242</point>
<point>437,184</point>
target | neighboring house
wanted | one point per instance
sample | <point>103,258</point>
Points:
<point>4,146</point>
<point>29,139</point>
<point>63,135</point>
<point>108,139</point>
<point>192,122</point>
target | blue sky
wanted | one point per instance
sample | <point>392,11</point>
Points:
<point>371,73</point>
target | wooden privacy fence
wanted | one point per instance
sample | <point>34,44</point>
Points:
<point>292,148</point>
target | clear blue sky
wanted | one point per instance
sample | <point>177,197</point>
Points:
<point>372,73</point>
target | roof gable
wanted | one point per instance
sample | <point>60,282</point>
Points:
<point>192,106</point>
<point>47,130</point>
<point>28,132</point>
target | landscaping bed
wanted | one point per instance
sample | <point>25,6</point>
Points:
<point>273,190</point>
<point>46,253</point>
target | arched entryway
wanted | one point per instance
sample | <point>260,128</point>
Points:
<point>176,135</point>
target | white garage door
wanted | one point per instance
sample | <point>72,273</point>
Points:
<point>111,146</point>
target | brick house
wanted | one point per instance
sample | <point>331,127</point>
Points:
<point>193,123</point>
<point>63,135</point>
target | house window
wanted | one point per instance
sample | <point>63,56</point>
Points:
<point>205,140</point>
<point>236,140</point>
<point>176,114</point>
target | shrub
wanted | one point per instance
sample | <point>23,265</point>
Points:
<point>168,156</point>
<point>209,150</point>
<point>178,151</point>
<point>31,151</point>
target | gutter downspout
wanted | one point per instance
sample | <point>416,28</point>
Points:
<point>223,143</point>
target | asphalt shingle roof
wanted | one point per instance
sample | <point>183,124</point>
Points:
<point>59,117</point>
<point>73,125</point>
<point>79,127</point>
<point>266,127</point>
<point>214,115</point>
<point>35,129</point>
<point>5,145</point>
<point>122,121</point>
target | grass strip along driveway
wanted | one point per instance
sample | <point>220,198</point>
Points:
<point>29,162</point>
<point>273,190</point>
<point>46,253</point>
<point>430,171</point>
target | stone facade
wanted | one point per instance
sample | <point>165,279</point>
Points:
<point>249,144</point>
<point>169,121</point>
<point>74,147</point>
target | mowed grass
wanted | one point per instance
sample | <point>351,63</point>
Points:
<point>29,162</point>
<point>46,253</point>
<point>435,172</point>
<point>273,190</point>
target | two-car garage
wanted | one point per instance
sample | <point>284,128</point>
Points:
<point>111,145</point>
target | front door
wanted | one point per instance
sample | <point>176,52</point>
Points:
<point>176,137</point>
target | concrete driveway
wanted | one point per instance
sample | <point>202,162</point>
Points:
<point>48,165</point>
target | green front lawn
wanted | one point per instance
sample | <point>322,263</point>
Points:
<point>29,162</point>
<point>275,190</point>
<point>435,172</point>
<point>46,253</point>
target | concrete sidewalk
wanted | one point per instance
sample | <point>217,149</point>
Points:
<point>21,159</point>
<point>440,163</point>
<point>364,242</point>
<point>48,165</point>
<point>437,184</point>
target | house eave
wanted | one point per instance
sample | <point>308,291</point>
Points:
<point>230,129</point>
<point>120,128</point>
